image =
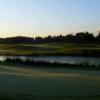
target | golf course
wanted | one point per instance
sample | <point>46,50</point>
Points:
<point>56,49</point>
<point>18,83</point>
<point>49,50</point>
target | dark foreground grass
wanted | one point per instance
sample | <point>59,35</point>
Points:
<point>40,86</point>
<point>29,97</point>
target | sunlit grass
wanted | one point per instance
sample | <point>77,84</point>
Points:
<point>49,49</point>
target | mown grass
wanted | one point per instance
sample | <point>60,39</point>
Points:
<point>28,97</point>
<point>50,49</point>
<point>19,83</point>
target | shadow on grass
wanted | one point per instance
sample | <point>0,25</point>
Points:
<point>29,97</point>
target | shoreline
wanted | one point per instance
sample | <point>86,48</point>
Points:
<point>41,64</point>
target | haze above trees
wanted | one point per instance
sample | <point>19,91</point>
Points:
<point>81,37</point>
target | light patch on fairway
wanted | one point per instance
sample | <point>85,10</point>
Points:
<point>29,72</point>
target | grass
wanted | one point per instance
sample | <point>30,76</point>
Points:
<point>19,83</point>
<point>22,82</point>
<point>50,49</point>
<point>24,97</point>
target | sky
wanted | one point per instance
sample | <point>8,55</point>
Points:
<point>48,17</point>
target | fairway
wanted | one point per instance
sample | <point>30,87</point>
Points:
<point>68,48</point>
<point>32,82</point>
<point>44,49</point>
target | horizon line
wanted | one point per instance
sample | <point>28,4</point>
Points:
<point>52,35</point>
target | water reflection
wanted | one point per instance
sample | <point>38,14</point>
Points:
<point>59,59</point>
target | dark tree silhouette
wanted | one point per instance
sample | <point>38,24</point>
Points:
<point>81,37</point>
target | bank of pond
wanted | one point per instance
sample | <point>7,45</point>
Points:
<point>47,64</point>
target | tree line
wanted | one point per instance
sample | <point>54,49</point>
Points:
<point>81,37</point>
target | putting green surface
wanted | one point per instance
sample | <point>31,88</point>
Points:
<point>16,82</point>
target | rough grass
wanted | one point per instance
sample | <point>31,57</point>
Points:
<point>18,83</point>
<point>35,84</point>
<point>50,49</point>
<point>28,97</point>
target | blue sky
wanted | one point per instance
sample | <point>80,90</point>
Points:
<point>48,17</point>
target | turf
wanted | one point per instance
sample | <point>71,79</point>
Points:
<point>18,83</point>
<point>50,49</point>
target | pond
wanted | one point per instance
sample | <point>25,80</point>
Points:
<point>59,59</point>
